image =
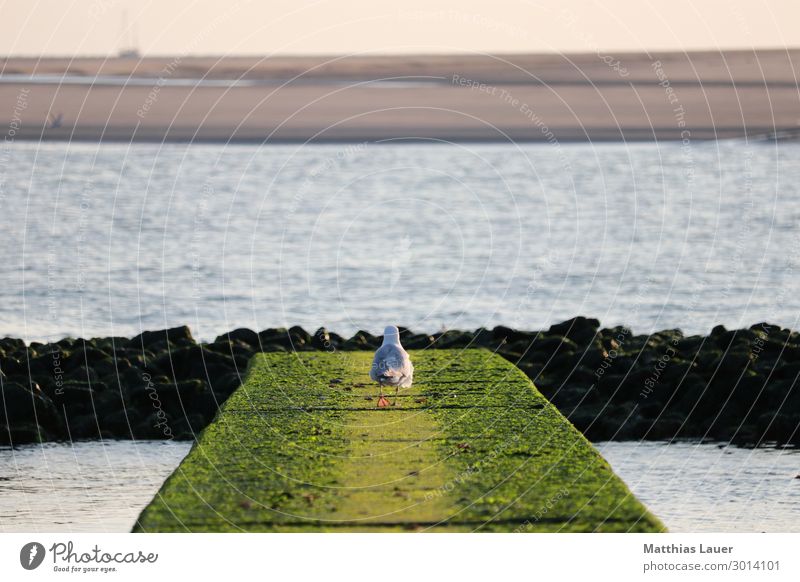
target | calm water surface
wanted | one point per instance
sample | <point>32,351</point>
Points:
<point>692,488</point>
<point>110,239</point>
<point>710,488</point>
<point>82,487</point>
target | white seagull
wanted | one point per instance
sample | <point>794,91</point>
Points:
<point>391,366</point>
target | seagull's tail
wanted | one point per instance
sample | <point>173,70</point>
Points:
<point>390,376</point>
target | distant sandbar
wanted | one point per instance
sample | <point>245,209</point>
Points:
<point>535,98</point>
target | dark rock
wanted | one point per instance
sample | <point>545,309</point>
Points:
<point>84,426</point>
<point>690,346</point>
<point>240,361</point>
<point>619,333</point>
<point>110,367</point>
<point>651,410</point>
<point>300,337</point>
<point>193,362</point>
<point>586,419</point>
<point>85,356</point>
<point>84,374</point>
<point>324,340</point>
<point>778,426</point>
<point>718,331</point>
<point>787,371</point>
<point>362,340</point>
<point>580,375</point>
<point>767,328</point>
<point>684,394</point>
<point>159,347</point>
<point>453,339</point>
<point>109,345</point>
<point>180,336</point>
<point>247,336</point>
<point>676,370</point>
<point>66,344</point>
<point>508,335</point>
<point>21,433</point>
<point>708,355</point>
<point>574,396</point>
<point>141,360</point>
<point>515,352</point>
<point>110,400</point>
<point>547,347</point>
<point>279,336</point>
<point>531,370</point>
<point>740,338</point>
<point>225,384</point>
<point>418,342</point>
<point>667,427</point>
<point>45,364</point>
<point>780,394</point>
<point>22,405</point>
<point>135,380</point>
<point>634,386</point>
<point>748,435</point>
<point>731,365</point>
<point>176,398</point>
<point>73,394</point>
<point>624,364</point>
<point>121,422</point>
<point>546,383</point>
<point>157,425</point>
<point>593,357</point>
<point>12,345</point>
<point>563,362</point>
<point>13,366</point>
<point>666,336</point>
<point>483,337</point>
<point>771,349</point>
<point>609,383</point>
<point>189,427</point>
<point>163,385</point>
<point>235,349</point>
<point>224,347</point>
<point>579,329</point>
<point>295,338</point>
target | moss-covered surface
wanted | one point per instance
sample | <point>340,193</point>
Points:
<point>472,446</point>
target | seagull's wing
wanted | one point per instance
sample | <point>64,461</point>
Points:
<point>392,366</point>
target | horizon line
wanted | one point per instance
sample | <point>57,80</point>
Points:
<point>380,54</point>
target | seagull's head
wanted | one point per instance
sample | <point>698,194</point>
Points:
<point>391,335</point>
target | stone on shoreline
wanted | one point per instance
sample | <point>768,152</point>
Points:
<point>732,385</point>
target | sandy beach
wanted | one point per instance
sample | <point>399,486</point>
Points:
<point>634,96</point>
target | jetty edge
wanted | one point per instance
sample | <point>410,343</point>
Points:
<point>473,446</point>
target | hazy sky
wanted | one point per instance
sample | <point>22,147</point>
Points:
<point>70,27</point>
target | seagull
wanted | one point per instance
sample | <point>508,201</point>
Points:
<point>391,366</point>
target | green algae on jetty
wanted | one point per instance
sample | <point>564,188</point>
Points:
<point>472,446</point>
